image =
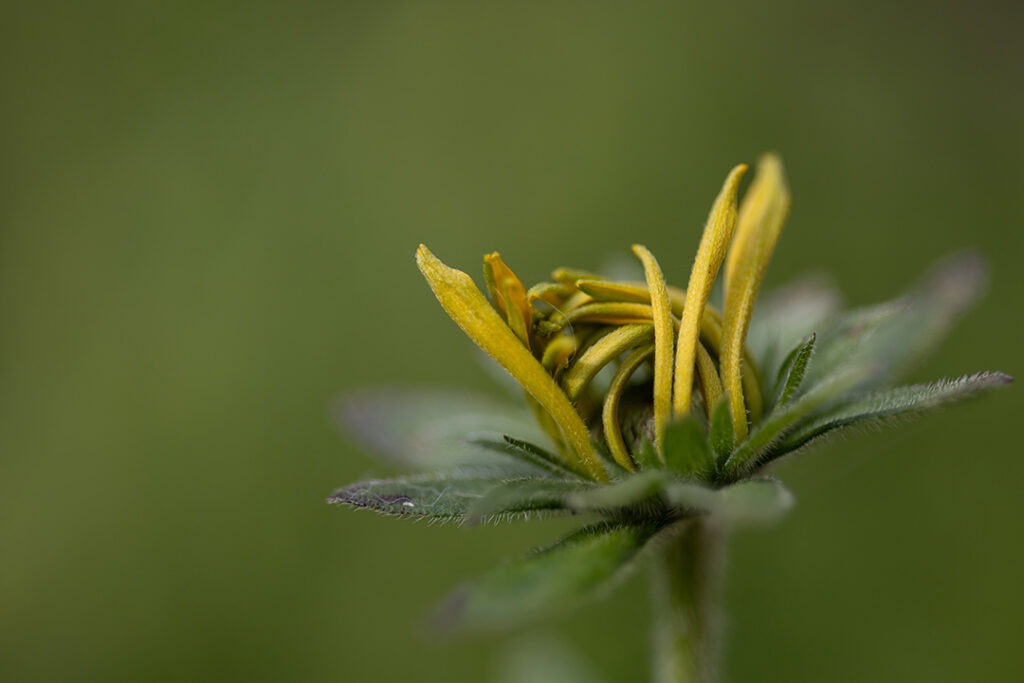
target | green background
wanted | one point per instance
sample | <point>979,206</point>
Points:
<point>208,213</point>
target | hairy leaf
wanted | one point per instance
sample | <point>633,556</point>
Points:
<point>436,496</point>
<point>686,449</point>
<point>880,406</point>
<point>426,429</point>
<point>526,496</point>
<point>528,453</point>
<point>721,433</point>
<point>580,566</point>
<point>793,370</point>
<point>627,492</point>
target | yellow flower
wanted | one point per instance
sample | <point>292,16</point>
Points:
<point>556,338</point>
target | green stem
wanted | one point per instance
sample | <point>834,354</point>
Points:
<point>687,623</point>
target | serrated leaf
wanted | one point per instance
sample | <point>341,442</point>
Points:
<point>525,496</point>
<point>748,502</point>
<point>791,376</point>
<point>720,432</point>
<point>578,567</point>
<point>436,496</point>
<point>528,453</point>
<point>880,406</point>
<point>426,429</point>
<point>686,449</point>
<point>882,342</point>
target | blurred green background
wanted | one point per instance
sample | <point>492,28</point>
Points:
<point>208,213</point>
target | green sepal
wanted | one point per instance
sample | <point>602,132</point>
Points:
<point>750,454</point>
<point>528,453</point>
<point>686,449</point>
<point>791,376</point>
<point>440,496</point>
<point>586,563</point>
<point>881,406</point>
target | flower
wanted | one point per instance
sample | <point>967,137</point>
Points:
<point>653,406</point>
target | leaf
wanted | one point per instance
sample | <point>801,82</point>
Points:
<point>426,429</point>
<point>883,341</point>
<point>881,406</point>
<point>748,502</point>
<point>630,491</point>
<point>526,452</point>
<point>750,454</point>
<point>686,449</point>
<point>436,496</point>
<point>525,496</point>
<point>793,370</point>
<point>585,563</point>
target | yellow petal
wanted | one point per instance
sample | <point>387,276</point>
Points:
<point>610,410</point>
<point>760,223</point>
<point>468,307</point>
<point>710,254</point>
<point>604,351</point>
<point>509,295</point>
<point>664,341</point>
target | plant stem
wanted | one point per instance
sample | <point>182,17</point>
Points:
<point>687,624</point>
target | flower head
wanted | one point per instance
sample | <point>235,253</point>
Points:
<point>651,406</point>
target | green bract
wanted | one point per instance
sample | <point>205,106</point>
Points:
<point>646,407</point>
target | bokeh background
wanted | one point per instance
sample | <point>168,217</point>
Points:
<point>208,212</point>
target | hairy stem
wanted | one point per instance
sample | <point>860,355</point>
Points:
<point>687,623</point>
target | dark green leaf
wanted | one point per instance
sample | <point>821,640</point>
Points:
<point>720,433</point>
<point>877,407</point>
<point>427,429</point>
<point>527,453</point>
<point>437,496</point>
<point>578,567</point>
<point>525,496</point>
<point>686,449</point>
<point>793,370</point>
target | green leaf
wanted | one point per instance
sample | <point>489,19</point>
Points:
<point>793,370</point>
<point>750,454</point>
<point>426,429</point>
<point>748,502</point>
<point>435,495</point>
<point>528,453</point>
<point>587,562</point>
<point>524,496</point>
<point>883,341</point>
<point>686,449</point>
<point>628,492</point>
<point>881,406</point>
<point>720,432</point>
